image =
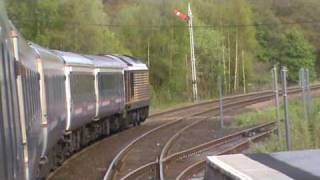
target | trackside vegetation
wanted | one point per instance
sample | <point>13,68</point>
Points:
<point>305,134</point>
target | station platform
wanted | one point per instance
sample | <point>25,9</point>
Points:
<point>300,165</point>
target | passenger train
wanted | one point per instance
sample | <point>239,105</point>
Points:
<point>53,103</point>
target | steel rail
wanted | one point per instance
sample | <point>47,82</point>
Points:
<point>169,143</point>
<point>206,102</point>
<point>200,165</point>
<point>150,168</point>
<point>198,149</point>
<point>117,160</point>
<point>293,88</point>
<point>197,167</point>
<point>144,169</point>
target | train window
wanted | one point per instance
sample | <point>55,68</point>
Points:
<point>53,90</point>
<point>82,87</point>
<point>109,84</point>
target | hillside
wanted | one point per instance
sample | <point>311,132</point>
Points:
<point>234,38</point>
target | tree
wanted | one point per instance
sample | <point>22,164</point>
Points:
<point>66,25</point>
<point>296,52</point>
<point>234,38</point>
<point>210,64</point>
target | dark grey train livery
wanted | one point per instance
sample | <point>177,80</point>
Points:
<point>53,103</point>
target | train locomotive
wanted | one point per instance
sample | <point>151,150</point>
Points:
<point>53,103</point>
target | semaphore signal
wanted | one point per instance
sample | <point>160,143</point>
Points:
<point>189,20</point>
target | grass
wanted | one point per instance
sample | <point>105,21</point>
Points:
<point>305,134</point>
<point>169,105</point>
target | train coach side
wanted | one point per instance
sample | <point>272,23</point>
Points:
<point>28,88</point>
<point>11,147</point>
<point>80,91</point>
<point>53,102</point>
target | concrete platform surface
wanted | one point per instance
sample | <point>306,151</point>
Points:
<point>301,165</point>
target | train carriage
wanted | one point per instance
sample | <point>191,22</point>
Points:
<point>80,91</point>
<point>28,89</point>
<point>11,149</point>
<point>53,99</point>
<point>29,104</point>
<point>53,103</point>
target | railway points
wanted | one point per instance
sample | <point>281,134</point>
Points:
<point>152,169</point>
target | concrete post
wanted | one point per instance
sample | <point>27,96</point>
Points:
<point>286,113</point>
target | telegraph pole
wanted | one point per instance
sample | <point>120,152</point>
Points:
<point>193,57</point>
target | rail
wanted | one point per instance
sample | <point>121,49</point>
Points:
<point>200,165</point>
<point>154,167</point>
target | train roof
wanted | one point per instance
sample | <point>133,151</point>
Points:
<point>132,62</point>
<point>106,62</point>
<point>74,58</point>
<point>44,51</point>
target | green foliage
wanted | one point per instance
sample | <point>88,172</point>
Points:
<point>68,25</point>
<point>283,43</point>
<point>210,65</point>
<point>225,38</point>
<point>253,118</point>
<point>296,52</point>
<point>304,133</point>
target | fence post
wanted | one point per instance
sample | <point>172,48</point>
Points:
<point>276,94</point>
<point>308,92</point>
<point>303,85</point>
<point>285,100</point>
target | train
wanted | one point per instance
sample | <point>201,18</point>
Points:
<point>54,103</point>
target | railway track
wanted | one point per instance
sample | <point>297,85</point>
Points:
<point>190,162</point>
<point>131,162</point>
<point>93,162</point>
<point>187,111</point>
